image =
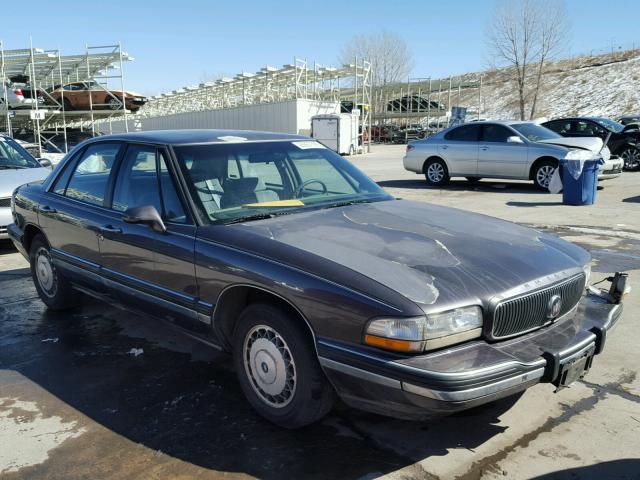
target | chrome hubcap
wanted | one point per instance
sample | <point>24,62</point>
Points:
<point>45,272</point>
<point>435,172</point>
<point>269,366</point>
<point>631,157</point>
<point>543,177</point>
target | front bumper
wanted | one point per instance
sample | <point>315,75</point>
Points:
<point>611,169</point>
<point>5,220</point>
<point>471,374</point>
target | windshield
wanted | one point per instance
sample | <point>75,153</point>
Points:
<point>534,132</point>
<point>609,124</point>
<point>245,181</point>
<point>12,155</point>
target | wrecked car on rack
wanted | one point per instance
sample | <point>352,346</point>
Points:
<point>279,251</point>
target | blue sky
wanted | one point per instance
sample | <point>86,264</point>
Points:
<point>178,43</point>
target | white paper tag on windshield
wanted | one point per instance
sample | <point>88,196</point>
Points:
<point>231,138</point>
<point>308,144</point>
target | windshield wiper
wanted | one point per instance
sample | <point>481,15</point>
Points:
<point>12,167</point>
<point>251,218</point>
<point>349,202</point>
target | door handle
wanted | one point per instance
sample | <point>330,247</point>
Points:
<point>46,209</point>
<point>484,148</point>
<point>110,229</point>
<point>444,147</point>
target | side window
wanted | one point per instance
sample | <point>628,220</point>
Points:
<point>496,133</point>
<point>173,210</point>
<point>88,182</point>
<point>137,182</point>
<point>465,133</point>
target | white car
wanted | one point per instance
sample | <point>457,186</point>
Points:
<point>516,150</point>
<point>15,97</point>
<point>17,167</point>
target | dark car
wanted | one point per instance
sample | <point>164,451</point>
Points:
<point>622,142</point>
<point>319,283</point>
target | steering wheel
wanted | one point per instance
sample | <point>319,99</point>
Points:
<point>298,191</point>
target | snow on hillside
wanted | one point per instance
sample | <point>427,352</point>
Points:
<point>599,86</point>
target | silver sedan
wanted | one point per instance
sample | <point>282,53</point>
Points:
<point>509,150</point>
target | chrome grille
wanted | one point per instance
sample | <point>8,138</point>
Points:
<point>530,311</point>
<point>5,202</point>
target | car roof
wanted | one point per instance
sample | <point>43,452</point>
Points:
<point>185,137</point>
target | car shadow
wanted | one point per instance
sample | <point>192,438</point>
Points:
<point>635,199</point>
<point>182,398</point>
<point>6,247</point>
<point>533,204</point>
<point>624,468</point>
<point>464,185</point>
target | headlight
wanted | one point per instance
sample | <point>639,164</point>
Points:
<point>417,334</point>
<point>579,154</point>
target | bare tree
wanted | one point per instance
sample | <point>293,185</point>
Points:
<point>388,53</point>
<point>524,36</point>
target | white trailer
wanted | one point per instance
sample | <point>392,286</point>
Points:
<point>337,132</point>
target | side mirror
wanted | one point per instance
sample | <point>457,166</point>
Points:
<point>514,139</point>
<point>45,162</point>
<point>146,214</point>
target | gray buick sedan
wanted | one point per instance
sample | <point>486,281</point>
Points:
<point>320,284</point>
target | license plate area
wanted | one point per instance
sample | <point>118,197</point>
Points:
<point>574,368</point>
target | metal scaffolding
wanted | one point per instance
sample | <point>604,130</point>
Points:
<point>47,70</point>
<point>298,80</point>
<point>427,101</point>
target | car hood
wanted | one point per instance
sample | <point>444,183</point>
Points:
<point>12,179</point>
<point>435,256</point>
<point>587,143</point>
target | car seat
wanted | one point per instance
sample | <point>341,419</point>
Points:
<point>240,191</point>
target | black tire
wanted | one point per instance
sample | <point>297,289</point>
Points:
<point>436,172</point>
<point>66,105</point>
<point>473,179</point>
<point>631,157</point>
<point>542,172</point>
<point>54,290</point>
<point>306,395</point>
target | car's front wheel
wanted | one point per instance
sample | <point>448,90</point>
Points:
<point>54,290</point>
<point>631,157</point>
<point>278,368</point>
<point>436,172</point>
<point>543,172</point>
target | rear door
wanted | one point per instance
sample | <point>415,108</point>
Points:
<point>499,158</point>
<point>73,210</point>
<point>460,149</point>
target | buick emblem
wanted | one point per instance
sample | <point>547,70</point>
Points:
<point>554,306</point>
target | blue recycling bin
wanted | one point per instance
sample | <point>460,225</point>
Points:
<point>580,191</point>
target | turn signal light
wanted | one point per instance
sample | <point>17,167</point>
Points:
<point>393,344</point>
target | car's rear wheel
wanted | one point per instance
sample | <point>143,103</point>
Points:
<point>436,172</point>
<point>278,368</point>
<point>631,157</point>
<point>54,290</point>
<point>66,105</point>
<point>542,174</point>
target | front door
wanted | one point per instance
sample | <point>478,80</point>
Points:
<point>147,267</point>
<point>499,158</point>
